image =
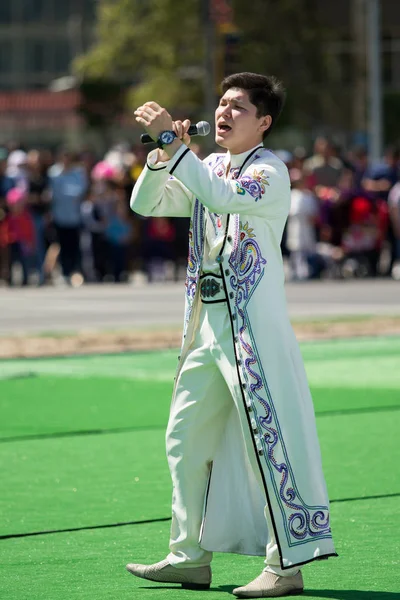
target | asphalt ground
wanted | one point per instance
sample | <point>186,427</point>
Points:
<point>142,306</point>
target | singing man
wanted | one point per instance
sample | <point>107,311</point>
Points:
<point>241,440</point>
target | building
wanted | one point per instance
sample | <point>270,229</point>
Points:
<point>39,39</point>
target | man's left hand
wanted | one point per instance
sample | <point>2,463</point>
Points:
<point>154,119</point>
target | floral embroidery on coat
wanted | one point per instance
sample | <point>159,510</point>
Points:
<point>254,184</point>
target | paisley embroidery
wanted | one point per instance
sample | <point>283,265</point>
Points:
<point>254,184</point>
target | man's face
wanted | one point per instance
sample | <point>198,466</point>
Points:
<point>237,127</point>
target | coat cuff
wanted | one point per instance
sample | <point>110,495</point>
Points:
<point>152,163</point>
<point>176,159</point>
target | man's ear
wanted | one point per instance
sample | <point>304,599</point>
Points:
<point>266,123</point>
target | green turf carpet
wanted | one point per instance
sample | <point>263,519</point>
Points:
<point>82,446</point>
<point>44,396</point>
<point>90,564</point>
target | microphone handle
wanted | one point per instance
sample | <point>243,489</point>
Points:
<point>145,138</point>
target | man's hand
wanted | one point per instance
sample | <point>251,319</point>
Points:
<point>155,120</point>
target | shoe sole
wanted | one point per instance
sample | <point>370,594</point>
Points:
<point>289,593</point>
<point>196,586</point>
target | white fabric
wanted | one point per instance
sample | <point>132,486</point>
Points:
<point>300,227</point>
<point>216,223</point>
<point>203,426</point>
<point>272,391</point>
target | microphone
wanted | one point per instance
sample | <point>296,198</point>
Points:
<point>201,128</point>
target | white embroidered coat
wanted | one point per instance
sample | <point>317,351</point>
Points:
<point>277,413</point>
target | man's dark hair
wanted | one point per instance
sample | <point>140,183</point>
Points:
<point>265,92</point>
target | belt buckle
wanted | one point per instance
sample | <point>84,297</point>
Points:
<point>209,287</point>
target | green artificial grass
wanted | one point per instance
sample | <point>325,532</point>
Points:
<point>83,481</point>
<point>57,395</point>
<point>71,477</point>
<point>91,564</point>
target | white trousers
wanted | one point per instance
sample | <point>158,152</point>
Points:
<point>202,402</point>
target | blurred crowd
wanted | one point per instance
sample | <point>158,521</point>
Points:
<point>344,219</point>
<point>65,220</point>
<point>65,217</point>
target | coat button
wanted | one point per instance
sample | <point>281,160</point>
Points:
<point>229,238</point>
<point>231,295</point>
<point>244,386</point>
<point>220,259</point>
<point>233,317</point>
<point>236,339</point>
<point>239,362</point>
<point>226,271</point>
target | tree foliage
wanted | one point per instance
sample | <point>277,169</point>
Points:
<point>287,38</point>
<point>156,47</point>
<point>146,44</point>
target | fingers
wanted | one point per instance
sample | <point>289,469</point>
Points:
<point>153,106</point>
<point>145,112</point>
<point>181,129</point>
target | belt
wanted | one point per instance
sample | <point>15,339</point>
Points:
<point>211,288</point>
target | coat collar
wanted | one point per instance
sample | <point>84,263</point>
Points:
<point>237,160</point>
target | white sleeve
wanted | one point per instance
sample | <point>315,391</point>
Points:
<point>157,194</point>
<point>262,190</point>
<point>394,196</point>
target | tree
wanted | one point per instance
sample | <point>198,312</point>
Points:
<point>158,49</point>
<point>153,47</point>
<point>288,39</point>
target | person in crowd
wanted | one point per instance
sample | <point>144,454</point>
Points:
<point>17,167</point>
<point>20,234</point>
<point>159,247</point>
<point>39,205</point>
<point>378,181</point>
<point>6,184</point>
<point>301,234</point>
<point>68,185</point>
<point>118,234</point>
<point>324,167</point>
<point>379,178</point>
<point>358,158</point>
<point>97,211</point>
<point>394,210</point>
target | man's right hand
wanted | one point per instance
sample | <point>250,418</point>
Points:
<point>181,129</point>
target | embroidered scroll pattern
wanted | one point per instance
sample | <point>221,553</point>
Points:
<point>254,184</point>
<point>196,233</point>
<point>195,250</point>
<point>302,523</point>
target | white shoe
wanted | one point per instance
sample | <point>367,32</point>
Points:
<point>191,578</point>
<point>269,585</point>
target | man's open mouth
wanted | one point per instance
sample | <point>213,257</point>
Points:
<point>224,127</point>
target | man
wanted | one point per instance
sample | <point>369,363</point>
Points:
<point>323,168</point>
<point>241,440</point>
<point>394,213</point>
<point>68,186</point>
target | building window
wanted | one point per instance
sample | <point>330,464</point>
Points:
<point>33,10</point>
<point>89,10</point>
<point>5,57</point>
<point>5,11</point>
<point>62,10</point>
<point>35,57</point>
<point>61,50</point>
